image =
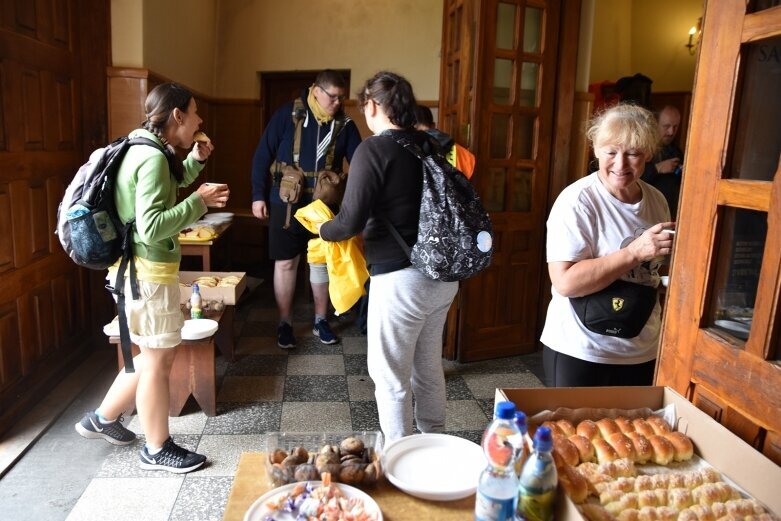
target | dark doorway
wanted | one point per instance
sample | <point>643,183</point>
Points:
<point>278,88</point>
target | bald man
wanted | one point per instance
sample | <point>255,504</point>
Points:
<point>663,172</point>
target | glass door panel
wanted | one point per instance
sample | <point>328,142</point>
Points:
<point>532,30</point>
<point>757,136</point>
<point>503,80</point>
<point>738,262</point>
<point>505,25</point>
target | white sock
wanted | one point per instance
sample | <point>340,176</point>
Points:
<point>152,451</point>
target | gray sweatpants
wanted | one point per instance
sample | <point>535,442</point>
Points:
<point>407,313</point>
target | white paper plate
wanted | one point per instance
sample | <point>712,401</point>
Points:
<point>434,466</point>
<point>217,217</point>
<point>259,511</point>
<point>665,279</point>
<point>199,328</point>
<point>737,329</point>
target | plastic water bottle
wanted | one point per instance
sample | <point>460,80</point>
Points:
<point>497,489</point>
<point>196,310</point>
<point>523,447</point>
<point>537,485</point>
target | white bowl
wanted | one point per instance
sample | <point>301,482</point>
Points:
<point>665,280</point>
<point>438,467</point>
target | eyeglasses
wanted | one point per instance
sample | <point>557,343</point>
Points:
<point>334,97</point>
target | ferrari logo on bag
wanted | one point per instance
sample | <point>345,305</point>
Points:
<point>618,304</point>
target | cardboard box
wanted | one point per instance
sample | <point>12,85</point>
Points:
<point>229,294</point>
<point>733,457</point>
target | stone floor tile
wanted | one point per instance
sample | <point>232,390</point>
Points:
<point>364,416</point>
<point>457,389</point>
<point>355,364</point>
<point>251,389</point>
<point>316,416</point>
<point>224,450</point>
<point>257,365</point>
<point>315,364</point>
<point>202,498</point>
<point>360,388</point>
<point>316,388</point>
<point>128,499</point>
<point>244,418</point>
<point>354,345</point>
<point>484,385</point>
<point>464,415</point>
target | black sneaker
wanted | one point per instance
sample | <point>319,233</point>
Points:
<point>285,338</point>
<point>323,331</point>
<point>172,458</point>
<point>115,433</point>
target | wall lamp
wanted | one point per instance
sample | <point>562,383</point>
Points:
<point>694,37</point>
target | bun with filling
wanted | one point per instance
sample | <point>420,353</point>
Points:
<point>201,137</point>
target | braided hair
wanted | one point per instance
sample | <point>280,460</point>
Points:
<point>159,107</point>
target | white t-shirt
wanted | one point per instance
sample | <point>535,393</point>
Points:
<point>587,222</point>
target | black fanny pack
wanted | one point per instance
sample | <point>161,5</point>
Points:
<point>621,309</point>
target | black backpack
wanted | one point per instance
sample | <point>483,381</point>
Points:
<point>90,230</point>
<point>455,236</point>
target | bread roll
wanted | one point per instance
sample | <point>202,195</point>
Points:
<point>647,498</point>
<point>620,467</point>
<point>622,444</point>
<point>566,427</point>
<point>584,446</point>
<point>643,450</point>
<point>574,483</point>
<point>663,449</point>
<point>680,498</point>
<point>628,500</point>
<point>605,451</point>
<point>567,450</point>
<point>643,427</point>
<point>677,480</point>
<point>682,445</point>
<point>607,426</point>
<point>666,513</point>
<point>588,429</point>
<point>594,512</point>
<point>703,512</point>
<point>645,482</point>
<point>659,424</point>
<point>624,424</point>
<point>555,431</point>
<point>201,137</point>
<point>630,514</point>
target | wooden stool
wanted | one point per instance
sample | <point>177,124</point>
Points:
<point>193,371</point>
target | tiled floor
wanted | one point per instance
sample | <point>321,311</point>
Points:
<point>311,388</point>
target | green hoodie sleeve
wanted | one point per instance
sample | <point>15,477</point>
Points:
<point>158,217</point>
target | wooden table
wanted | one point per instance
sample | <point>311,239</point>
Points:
<point>251,482</point>
<point>202,249</point>
<point>194,371</point>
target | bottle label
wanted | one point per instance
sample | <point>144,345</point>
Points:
<point>488,508</point>
<point>535,507</point>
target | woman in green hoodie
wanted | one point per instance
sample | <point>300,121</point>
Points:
<point>147,184</point>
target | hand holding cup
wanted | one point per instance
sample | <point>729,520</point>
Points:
<point>215,195</point>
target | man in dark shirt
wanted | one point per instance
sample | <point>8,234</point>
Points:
<point>664,171</point>
<point>328,135</point>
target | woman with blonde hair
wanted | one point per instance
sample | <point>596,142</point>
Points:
<point>607,235</point>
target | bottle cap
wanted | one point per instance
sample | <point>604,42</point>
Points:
<point>505,410</point>
<point>520,421</point>
<point>196,288</point>
<point>543,440</point>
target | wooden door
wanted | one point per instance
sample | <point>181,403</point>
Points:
<point>52,112</point>
<point>722,329</point>
<point>502,105</point>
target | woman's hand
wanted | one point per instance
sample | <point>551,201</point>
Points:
<point>215,195</point>
<point>656,241</point>
<point>202,150</point>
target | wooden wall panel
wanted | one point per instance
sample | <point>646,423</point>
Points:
<point>49,85</point>
<point>236,126</point>
<point>6,238</point>
<point>32,108</point>
<point>10,359</point>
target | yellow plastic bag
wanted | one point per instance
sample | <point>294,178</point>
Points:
<point>346,265</point>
